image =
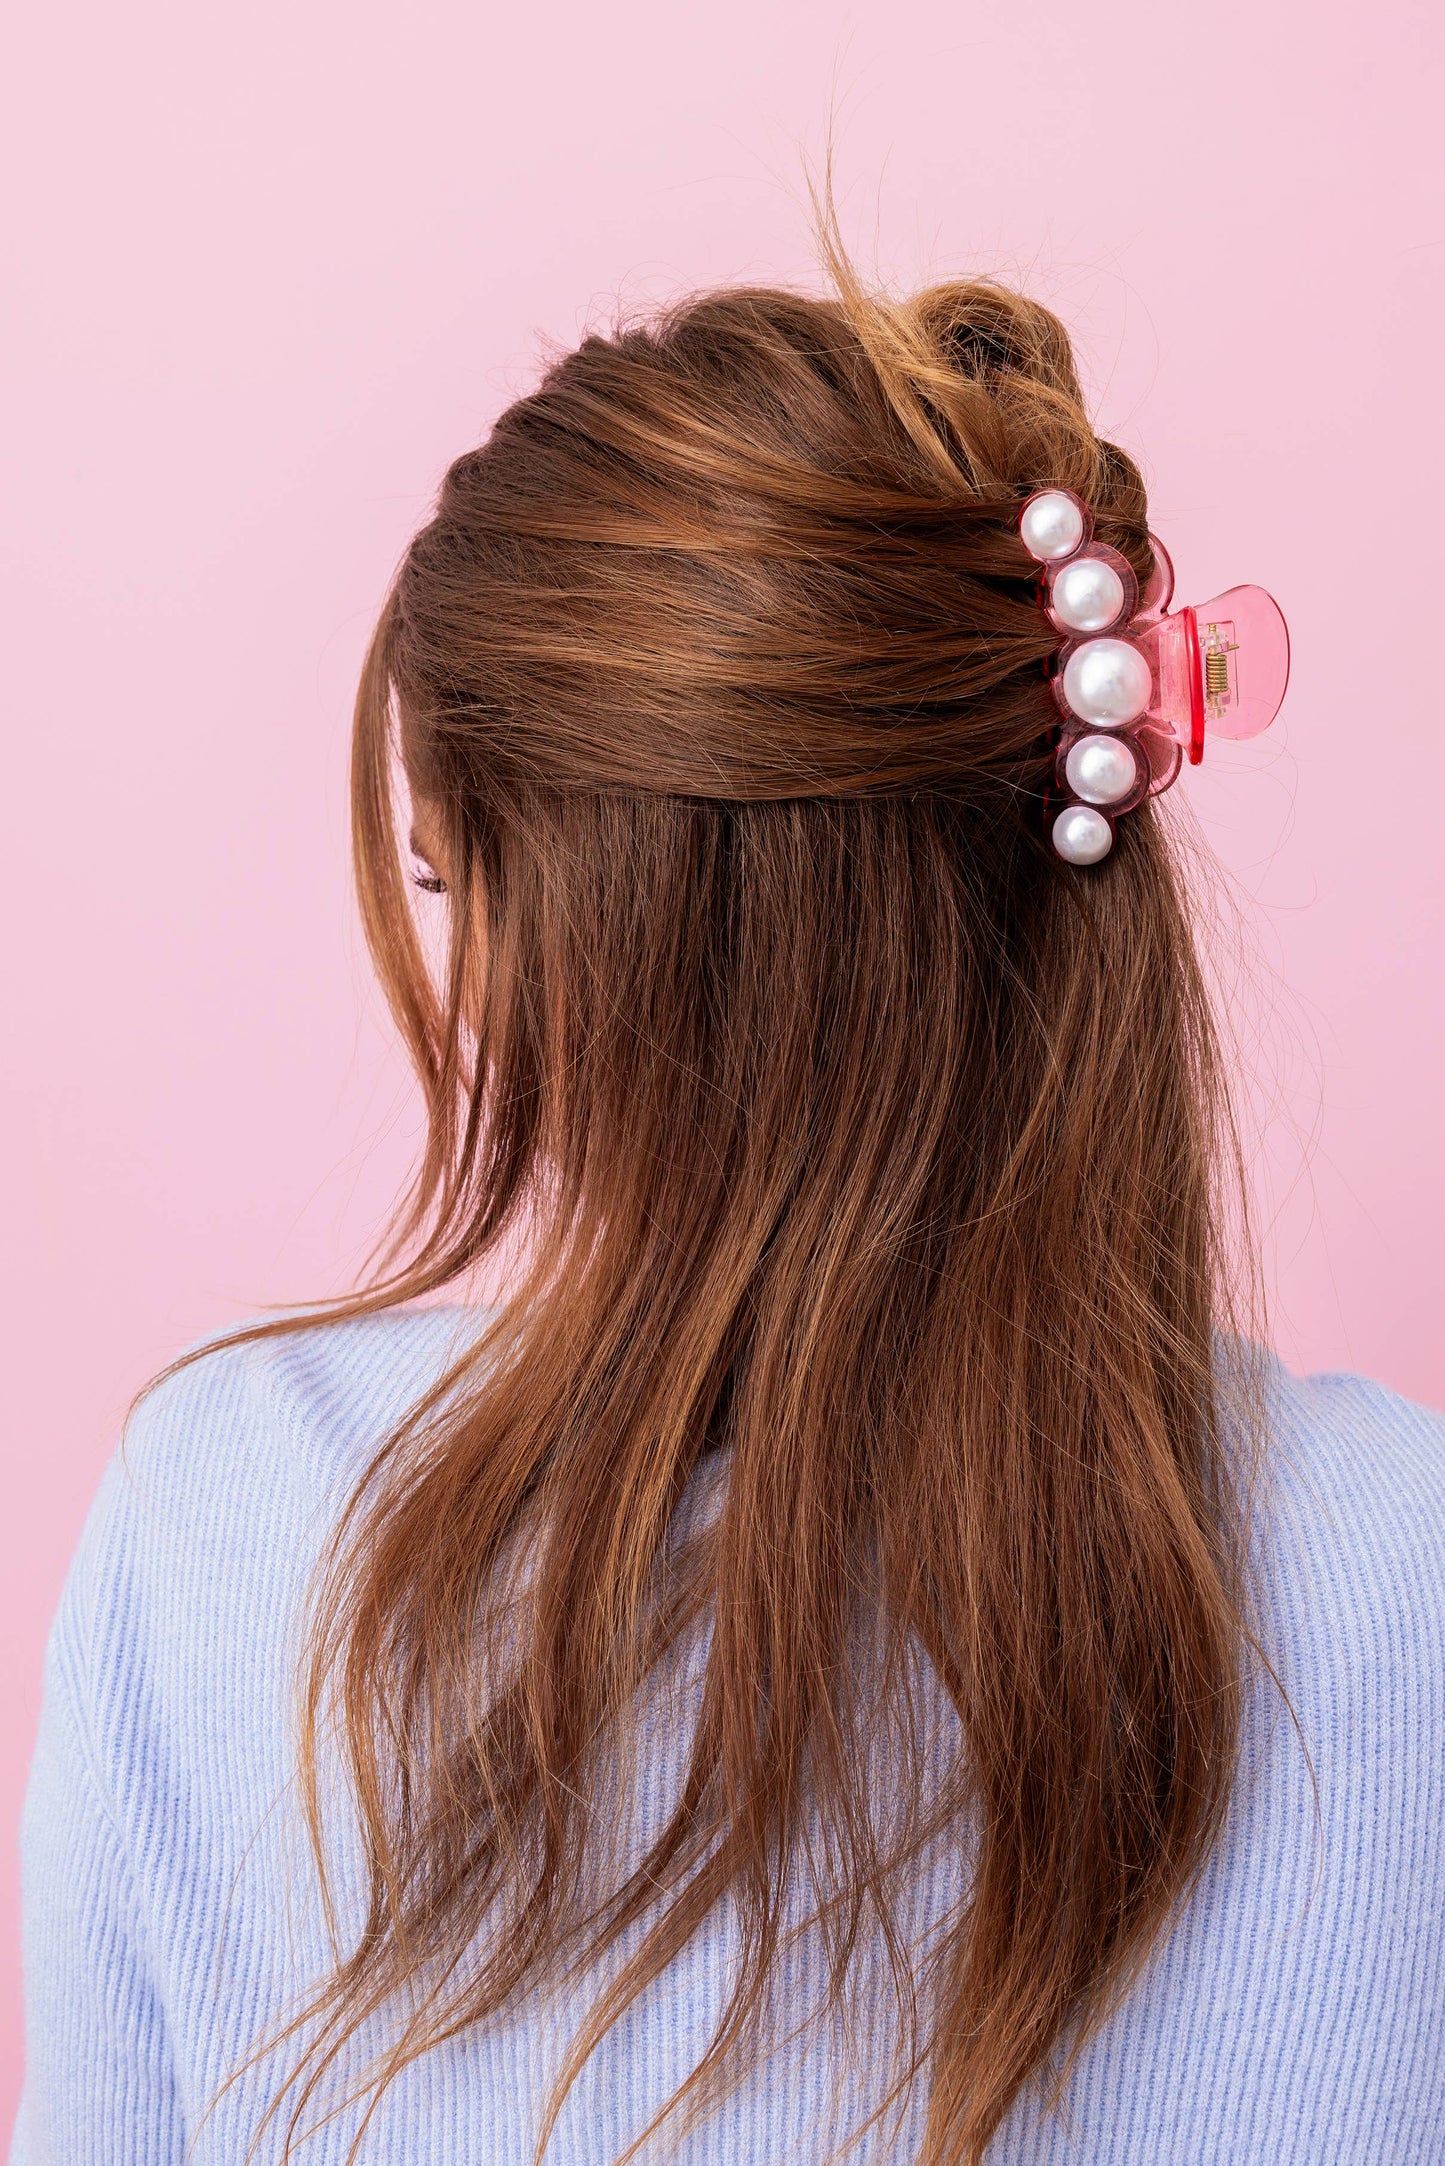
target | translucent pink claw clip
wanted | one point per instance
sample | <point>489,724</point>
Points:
<point>1138,687</point>
<point>1220,667</point>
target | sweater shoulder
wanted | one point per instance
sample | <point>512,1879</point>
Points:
<point>228,1476</point>
<point>1360,1447</point>
<point>1355,1507</point>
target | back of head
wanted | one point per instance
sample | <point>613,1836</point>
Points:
<point>763,549</point>
<point>864,1144</point>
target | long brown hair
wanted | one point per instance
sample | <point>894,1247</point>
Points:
<point>868,1153</point>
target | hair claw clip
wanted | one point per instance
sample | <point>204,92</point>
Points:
<point>1138,685</point>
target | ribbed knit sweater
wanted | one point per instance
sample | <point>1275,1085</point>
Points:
<point>1294,2015</point>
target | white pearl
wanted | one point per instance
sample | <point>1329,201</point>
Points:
<point>1107,681</point>
<point>1082,836</point>
<point>1052,526</point>
<point>1101,770</point>
<point>1087,595</point>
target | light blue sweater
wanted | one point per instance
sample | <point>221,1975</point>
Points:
<point>1295,2015</point>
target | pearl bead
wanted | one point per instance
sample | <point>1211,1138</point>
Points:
<point>1087,595</point>
<point>1107,681</point>
<point>1082,836</point>
<point>1101,770</point>
<point>1052,526</point>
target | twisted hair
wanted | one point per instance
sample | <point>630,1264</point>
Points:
<point>872,1158</point>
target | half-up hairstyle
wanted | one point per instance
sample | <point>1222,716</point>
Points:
<point>867,1154</point>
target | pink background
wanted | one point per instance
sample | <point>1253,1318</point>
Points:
<point>266,268</point>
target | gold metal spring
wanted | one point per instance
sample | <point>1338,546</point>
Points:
<point>1216,674</point>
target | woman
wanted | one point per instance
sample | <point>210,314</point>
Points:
<point>861,1654</point>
